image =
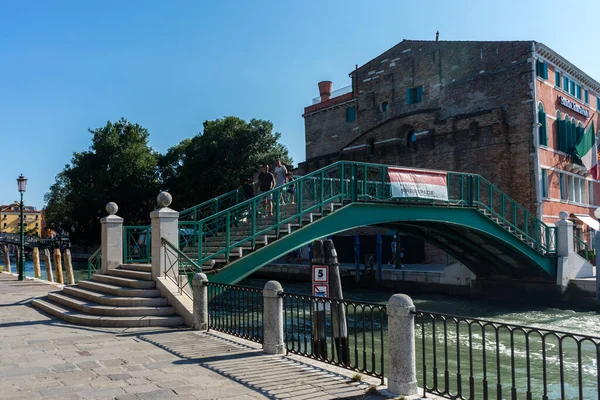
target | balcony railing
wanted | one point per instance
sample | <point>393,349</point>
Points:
<point>335,93</point>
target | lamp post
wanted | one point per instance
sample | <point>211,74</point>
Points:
<point>22,184</point>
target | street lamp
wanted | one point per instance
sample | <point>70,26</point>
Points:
<point>22,184</point>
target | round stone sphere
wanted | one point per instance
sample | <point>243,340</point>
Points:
<point>112,208</point>
<point>563,215</point>
<point>164,199</point>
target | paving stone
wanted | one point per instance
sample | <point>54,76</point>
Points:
<point>157,395</point>
<point>148,387</point>
<point>119,377</point>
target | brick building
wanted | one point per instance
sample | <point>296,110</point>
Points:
<point>490,108</point>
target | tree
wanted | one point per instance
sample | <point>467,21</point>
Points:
<point>213,162</point>
<point>119,167</point>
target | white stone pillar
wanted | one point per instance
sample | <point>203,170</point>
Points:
<point>564,235</point>
<point>402,375</point>
<point>165,224</point>
<point>273,318</point>
<point>112,239</point>
<point>199,283</point>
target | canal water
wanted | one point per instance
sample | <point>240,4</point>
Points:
<point>574,362</point>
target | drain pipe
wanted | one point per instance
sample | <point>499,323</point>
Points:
<point>536,140</point>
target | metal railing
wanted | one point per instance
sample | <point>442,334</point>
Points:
<point>179,268</point>
<point>335,93</point>
<point>468,358</point>
<point>136,244</point>
<point>345,333</point>
<point>213,206</point>
<point>581,248</point>
<point>236,310</point>
<point>239,228</point>
<point>94,262</point>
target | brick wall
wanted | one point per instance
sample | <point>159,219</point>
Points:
<point>477,106</point>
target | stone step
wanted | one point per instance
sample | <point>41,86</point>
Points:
<point>118,281</point>
<point>90,307</point>
<point>118,290</point>
<point>125,273</point>
<point>73,316</point>
<point>137,267</point>
<point>112,300</point>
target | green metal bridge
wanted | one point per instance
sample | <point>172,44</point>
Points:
<point>479,225</point>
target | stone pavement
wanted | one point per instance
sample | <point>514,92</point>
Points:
<point>44,358</point>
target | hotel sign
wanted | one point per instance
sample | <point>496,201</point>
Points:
<point>573,106</point>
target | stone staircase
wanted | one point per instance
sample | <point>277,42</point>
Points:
<point>124,297</point>
<point>243,231</point>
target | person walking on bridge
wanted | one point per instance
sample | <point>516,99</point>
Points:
<point>280,177</point>
<point>266,182</point>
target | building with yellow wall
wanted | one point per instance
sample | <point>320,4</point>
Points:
<point>10,219</point>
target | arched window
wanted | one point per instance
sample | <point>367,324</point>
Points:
<point>562,131</point>
<point>542,131</point>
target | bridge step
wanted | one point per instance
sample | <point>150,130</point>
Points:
<point>89,307</point>
<point>73,316</point>
<point>124,273</point>
<point>112,300</point>
<point>118,290</point>
<point>137,267</point>
<point>119,281</point>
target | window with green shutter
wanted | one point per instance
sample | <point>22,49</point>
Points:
<point>563,186</point>
<point>557,78</point>
<point>350,114</point>
<point>578,91</point>
<point>542,131</point>
<point>586,96</point>
<point>414,95</point>
<point>598,102</point>
<point>562,135</point>
<point>566,84</point>
<point>544,183</point>
<point>572,88</point>
<point>542,69</point>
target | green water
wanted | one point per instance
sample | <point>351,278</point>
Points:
<point>481,342</point>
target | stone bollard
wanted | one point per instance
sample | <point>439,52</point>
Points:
<point>402,375</point>
<point>58,266</point>
<point>36,263</point>
<point>69,267</point>
<point>7,267</point>
<point>273,318</point>
<point>200,287</point>
<point>111,245</point>
<point>48,262</point>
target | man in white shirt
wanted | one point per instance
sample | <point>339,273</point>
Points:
<point>280,172</point>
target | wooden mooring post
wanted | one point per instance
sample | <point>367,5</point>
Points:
<point>69,268</point>
<point>6,253</point>
<point>36,263</point>
<point>58,266</point>
<point>48,263</point>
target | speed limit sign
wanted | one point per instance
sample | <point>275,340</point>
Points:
<point>320,274</point>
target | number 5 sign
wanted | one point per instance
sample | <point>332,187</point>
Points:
<point>320,274</point>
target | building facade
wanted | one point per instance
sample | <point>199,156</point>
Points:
<point>10,219</point>
<point>510,111</point>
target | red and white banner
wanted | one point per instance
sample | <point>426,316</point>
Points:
<point>412,183</point>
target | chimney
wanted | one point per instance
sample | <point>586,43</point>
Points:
<point>325,90</point>
<point>437,35</point>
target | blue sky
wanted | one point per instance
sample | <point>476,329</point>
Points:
<point>66,66</point>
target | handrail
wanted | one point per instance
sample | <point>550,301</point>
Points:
<point>134,248</point>
<point>176,272</point>
<point>215,203</point>
<point>582,246</point>
<point>94,262</point>
<point>345,181</point>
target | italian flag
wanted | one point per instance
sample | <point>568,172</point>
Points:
<point>587,150</point>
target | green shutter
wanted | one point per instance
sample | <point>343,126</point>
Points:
<point>557,78</point>
<point>566,84</point>
<point>578,91</point>
<point>544,183</point>
<point>545,75</point>
<point>350,114</point>
<point>542,132</point>
<point>419,94</point>
<point>409,96</point>
<point>598,102</point>
<point>586,96</point>
<point>562,135</point>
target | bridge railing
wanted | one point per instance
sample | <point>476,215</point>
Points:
<point>212,206</point>
<point>475,191</point>
<point>179,268</point>
<point>136,244</point>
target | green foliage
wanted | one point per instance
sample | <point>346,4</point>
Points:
<point>212,162</point>
<point>356,378</point>
<point>119,167</point>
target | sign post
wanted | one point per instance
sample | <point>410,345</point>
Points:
<point>320,283</point>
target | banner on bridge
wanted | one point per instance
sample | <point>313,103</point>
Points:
<point>413,183</point>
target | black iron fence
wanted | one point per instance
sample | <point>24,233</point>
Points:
<point>468,358</point>
<point>236,310</point>
<point>345,333</point>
